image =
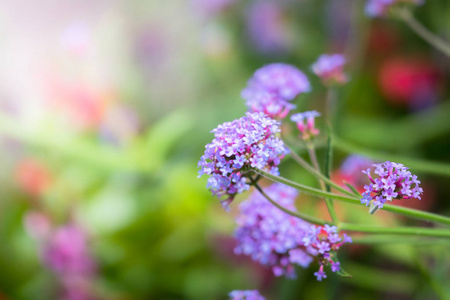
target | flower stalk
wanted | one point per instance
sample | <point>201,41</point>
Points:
<point>424,33</point>
<point>412,213</point>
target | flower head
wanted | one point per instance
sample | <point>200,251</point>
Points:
<point>306,123</point>
<point>330,68</point>
<point>272,87</point>
<point>268,234</point>
<point>238,146</point>
<point>280,241</point>
<point>246,295</point>
<point>394,181</point>
<point>377,8</point>
<point>266,26</point>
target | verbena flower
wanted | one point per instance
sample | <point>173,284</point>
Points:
<point>267,27</point>
<point>238,146</point>
<point>246,295</point>
<point>280,241</point>
<point>377,8</point>
<point>272,87</point>
<point>306,123</point>
<point>394,181</point>
<point>324,242</point>
<point>330,68</point>
<point>267,234</point>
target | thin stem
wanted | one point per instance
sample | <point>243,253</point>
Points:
<point>311,170</point>
<point>300,215</point>
<point>424,33</point>
<point>418,231</point>
<point>419,165</point>
<point>328,202</point>
<point>417,214</point>
<point>379,239</point>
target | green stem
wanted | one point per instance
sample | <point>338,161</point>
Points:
<point>418,231</point>
<point>419,165</point>
<point>379,239</point>
<point>424,33</point>
<point>328,202</point>
<point>300,215</point>
<point>319,175</point>
<point>417,214</point>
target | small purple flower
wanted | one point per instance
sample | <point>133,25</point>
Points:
<point>377,8</point>
<point>245,295</point>
<point>320,274</point>
<point>330,229</point>
<point>248,142</point>
<point>307,129</point>
<point>395,182</point>
<point>330,68</point>
<point>347,239</point>
<point>272,87</point>
<point>335,266</point>
<point>323,247</point>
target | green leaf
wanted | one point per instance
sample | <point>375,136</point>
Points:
<point>343,273</point>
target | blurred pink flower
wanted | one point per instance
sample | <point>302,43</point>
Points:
<point>33,177</point>
<point>67,253</point>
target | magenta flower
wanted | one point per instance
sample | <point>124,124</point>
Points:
<point>306,124</point>
<point>377,8</point>
<point>67,252</point>
<point>246,295</point>
<point>394,182</point>
<point>330,69</point>
<point>238,146</point>
<point>272,87</point>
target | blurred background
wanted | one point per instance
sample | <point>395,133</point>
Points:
<point>105,108</point>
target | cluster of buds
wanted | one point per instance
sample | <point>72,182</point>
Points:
<point>323,242</point>
<point>306,124</point>
<point>330,69</point>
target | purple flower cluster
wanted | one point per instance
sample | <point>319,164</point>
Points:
<point>272,87</point>
<point>323,242</point>
<point>266,27</point>
<point>238,146</point>
<point>307,129</point>
<point>246,295</point>
<point>278,240</point>
<point>394,182</point>
<point>268,234</point>
<point>330,68</point>
<point>377,8</point>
